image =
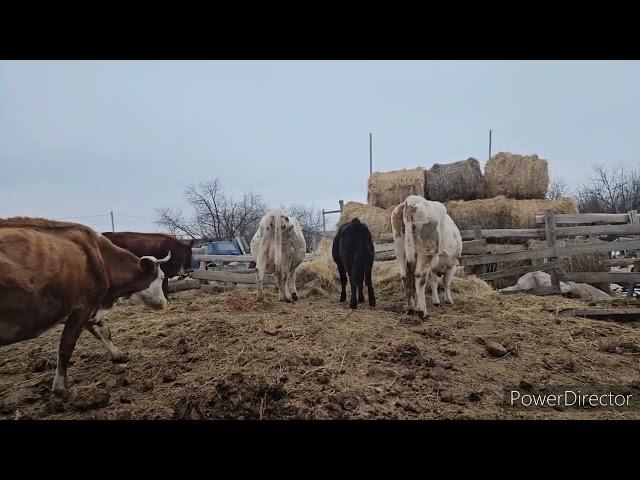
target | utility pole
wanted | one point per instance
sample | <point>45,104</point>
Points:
<point>113,226</point>
<point>370,153</point>
<point>489,143</point>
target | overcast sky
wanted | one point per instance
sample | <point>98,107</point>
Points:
<point>82,138</point>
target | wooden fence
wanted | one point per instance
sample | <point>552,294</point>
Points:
<point>475,250</point>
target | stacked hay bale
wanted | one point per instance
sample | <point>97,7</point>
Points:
<point>454,181</point>
<point>377,219</point>
<point>516,176</point>
<point>503,212</point>
<point>388,189</point>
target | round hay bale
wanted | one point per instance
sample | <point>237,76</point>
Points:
<point>377,219</point>
<point>503,212</point>
<point>388,189</point>
<point>455,181</point>
<point>516,176</point>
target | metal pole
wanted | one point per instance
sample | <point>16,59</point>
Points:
<point>113,227</point>
<point>489,143</point>
<point>341,205</point>
<point>324,229</point>
<point>370,153</point>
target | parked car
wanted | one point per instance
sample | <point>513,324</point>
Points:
<point>218,247</point>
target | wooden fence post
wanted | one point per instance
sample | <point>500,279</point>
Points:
<point>632,285</point>
<point>550,232</point>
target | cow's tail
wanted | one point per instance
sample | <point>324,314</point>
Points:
<point>409,242</point>
<point>277,229</point>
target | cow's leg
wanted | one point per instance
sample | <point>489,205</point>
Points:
<point>408,281</point>
<point>165,287</point>
<point>353,282</point>
<point>370,294</point>
<point>420,283</point>
<point>282,275</point>
<point>261,266</point>
<point>343,280</point>
<point>447,285</point>
<point>433,279</point>
<point>292,283</point>
<point>360,275</point>
<point>99,328</point>
<point>72,328</point>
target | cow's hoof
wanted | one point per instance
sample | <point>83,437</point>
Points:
<point>353,306</point>
<point>410,311</point>
<point>294,297</point>
<point>61,393</point>
<point>343,299</point>
<point>120,357</point>
<point>436,304</point>
<point>372,303</point>
<point>420,314</point>
<point>361,300</point>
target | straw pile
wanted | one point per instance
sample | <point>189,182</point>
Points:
<point>388,189</point>
<point>516,176</point>
<point>502,212</point>
<point>455,181</point>
<point>321,277</point>
<point>377,219</point>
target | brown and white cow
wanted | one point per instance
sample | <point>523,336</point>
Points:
<point>426,244</point>
<point>157,245</point>
<point>279,246</point>
<point>52,272</point>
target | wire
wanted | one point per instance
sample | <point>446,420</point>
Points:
<point>132,216</point>
<point>89,216</point>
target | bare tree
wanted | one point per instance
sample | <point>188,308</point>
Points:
<point>558,188</point>
<point>610,190</point>
<point>216,215</point>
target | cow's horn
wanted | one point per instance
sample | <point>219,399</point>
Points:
<point>165,259</point>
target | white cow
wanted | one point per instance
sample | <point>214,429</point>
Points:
<point>447,260</point>
<point>425,240</point>
<point>278,246</point>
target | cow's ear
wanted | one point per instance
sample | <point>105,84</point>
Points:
<point>147,265</point>
<point>192,242</point>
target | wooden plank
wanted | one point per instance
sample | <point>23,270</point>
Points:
<point>512,272</point>
<point>224,258</point>
<point>238,258</point>
<point>182,285</point>
<point>550,233</point>
<point>618,262</point>
<point>617,314</point>
<point>550,252</point>
<point>229,277</point>
<point>602,277</point>
<point>474,247</point>
<point>386,238</point>
<point>561,232</point>
<point>385,247</point>
<point>587,218</point>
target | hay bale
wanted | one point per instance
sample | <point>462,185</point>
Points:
<point>388,189</point>
<point>516,176</point>
<point>377,219</point>
<point>455,181</point>
<point>503,212</point>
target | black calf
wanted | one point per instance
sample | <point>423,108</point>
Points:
<point>353,253</point>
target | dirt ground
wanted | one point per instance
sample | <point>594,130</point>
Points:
<point>226,356</point>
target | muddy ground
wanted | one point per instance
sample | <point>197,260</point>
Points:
<point>226,356</point>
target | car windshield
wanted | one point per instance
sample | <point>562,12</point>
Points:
<point>223,248</point>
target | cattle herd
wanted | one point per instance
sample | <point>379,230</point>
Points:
<point>58,272</point>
